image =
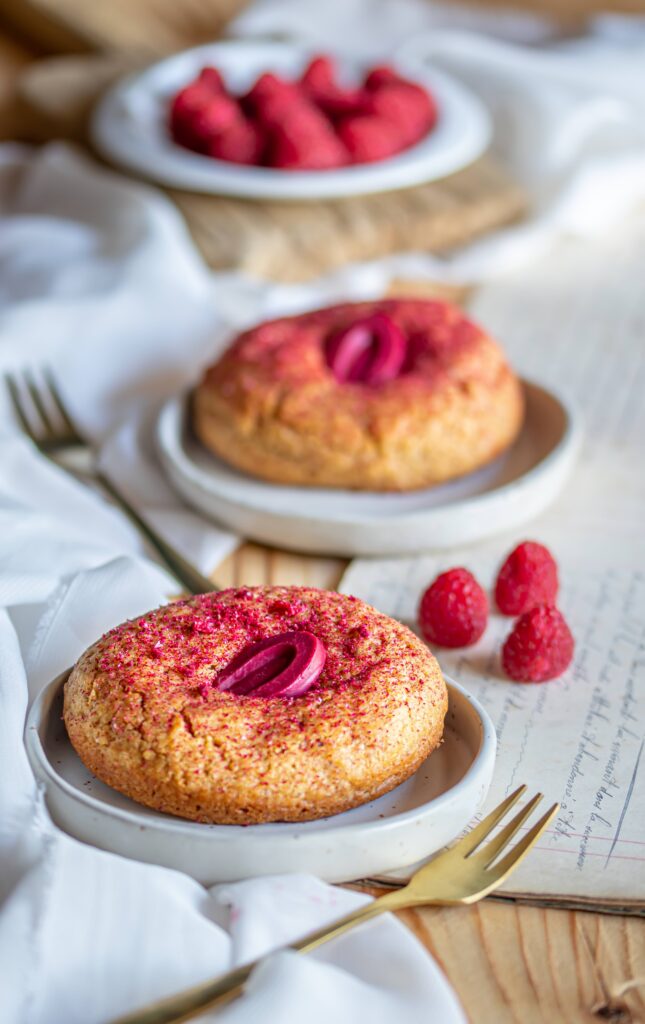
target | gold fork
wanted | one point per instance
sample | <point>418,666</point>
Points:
<point>47,422</point>
<point>464,873</point>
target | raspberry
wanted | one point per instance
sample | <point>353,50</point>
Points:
<point>381,75</point>
<point>186,105</point>
<point>314,123</point>
<point>196,128</point>
<point>182,133</point>
<point>539,647</point>
<point>189,100</point>
<point>272,98</point>
<point>339,102</point>
<point>319,74</point>
<point>211,79</point>
<point>217,117</point>
<point>369,138</point>
<point>319,83</point>
<point>305,141</point>
<point>407,106</point>
<point>528,577</point>
<point>241,143</point>
<point>454,610</point>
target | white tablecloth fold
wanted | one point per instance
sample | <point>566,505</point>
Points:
<point>99,280</point>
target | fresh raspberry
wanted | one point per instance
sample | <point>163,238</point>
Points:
<point>529,576</point>
<point>454,610</point>
<point>305,140</point>
<point>187,103</point>
<point>539,647</point>
<point>195,129</point>
<point>319,83</point>
<point>241,143</point>
<point>221,113</point>
<point>211,79</point>
<point>186,106</point>
<point>340,102</point>
<point>409,108</point>
<point>369,138</point>
<point>381,75</point>
<point>182,133</point>
<point>319,74</point>
<point>272,98</point>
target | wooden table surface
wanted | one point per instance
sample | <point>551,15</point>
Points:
<point>510,964</point>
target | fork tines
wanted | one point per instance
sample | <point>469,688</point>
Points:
<point>39,408</point>
<point>474,846</point>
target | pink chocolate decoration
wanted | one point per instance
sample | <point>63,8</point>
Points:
<point>369,351</point>
<point>286,665</point>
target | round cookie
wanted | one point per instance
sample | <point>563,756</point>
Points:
<point>146,710</point>
<point>394,395</point>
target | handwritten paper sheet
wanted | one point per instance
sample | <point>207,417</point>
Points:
<point>576,323</point>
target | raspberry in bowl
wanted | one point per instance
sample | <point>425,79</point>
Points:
<point>305,123</point>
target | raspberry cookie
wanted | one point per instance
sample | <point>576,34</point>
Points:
<point>386,396</point>
<point>255,705</point>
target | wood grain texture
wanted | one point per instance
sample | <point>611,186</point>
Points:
<point>570,13</point>
<point>253,565</point>
<point>13,58</point>
<point>524,965</point>
<point>298,240</point>
<point>145,27</point>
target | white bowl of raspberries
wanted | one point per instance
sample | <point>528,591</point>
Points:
<point>271,120</point>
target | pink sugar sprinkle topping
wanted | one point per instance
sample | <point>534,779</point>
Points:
<point>172,658</point>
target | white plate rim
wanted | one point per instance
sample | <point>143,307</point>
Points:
<point>481,766</point>
<point>467,127</point>
<point>170,448</point>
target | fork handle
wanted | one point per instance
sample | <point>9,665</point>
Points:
<point>189,577</point>
<point>195,1001</point>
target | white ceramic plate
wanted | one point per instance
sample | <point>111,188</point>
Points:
<point>405,826</point>
<point>508,492</point>
<point>129,127</point>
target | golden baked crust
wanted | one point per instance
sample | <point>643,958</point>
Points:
<point>271,405</point>
<point>143,711</point>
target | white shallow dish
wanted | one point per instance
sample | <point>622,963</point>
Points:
<point>405,826</point>
<point>129,127</point>
<point>512,490</point>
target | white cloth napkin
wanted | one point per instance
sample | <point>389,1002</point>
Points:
<point>99,280</point>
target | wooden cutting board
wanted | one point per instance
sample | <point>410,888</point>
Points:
<point>144,27</point>
<point>285,241</point>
